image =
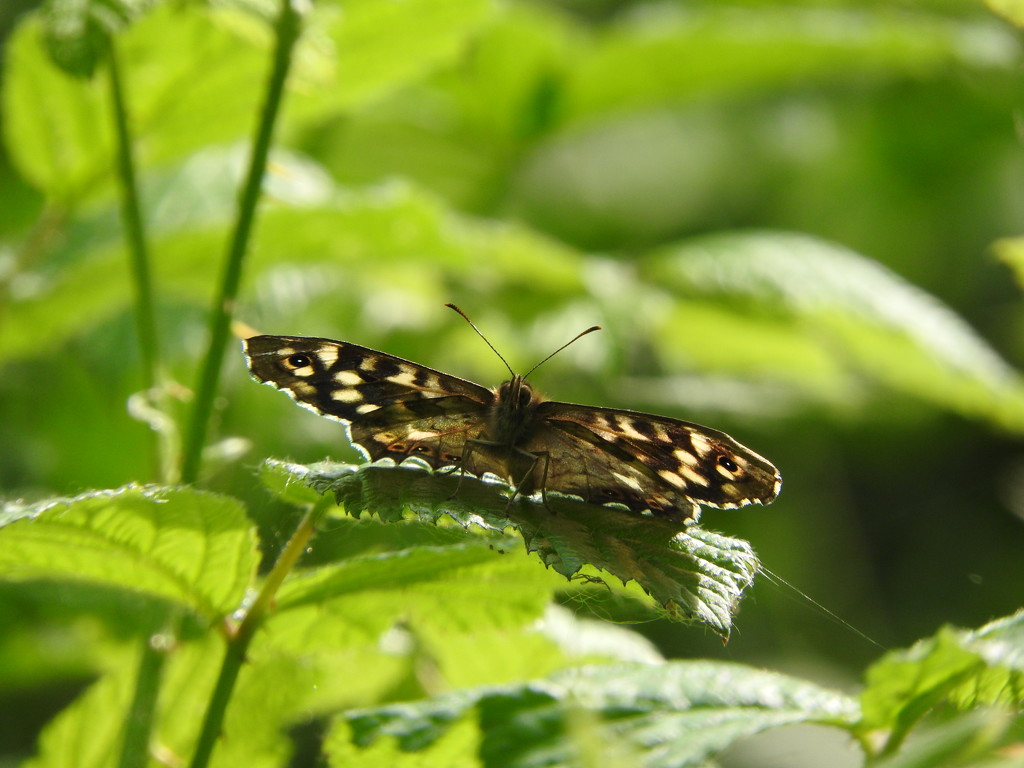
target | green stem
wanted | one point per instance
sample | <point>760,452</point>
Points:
<point>165,439</point>
<point>287,32</point>
<point>239,639</point>
<point>131,211</point>
<point>139,724</point>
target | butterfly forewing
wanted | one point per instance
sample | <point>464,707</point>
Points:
<point>393,407</point>
<point>654,462</point>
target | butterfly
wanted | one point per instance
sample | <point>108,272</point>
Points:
<point>394,408</point>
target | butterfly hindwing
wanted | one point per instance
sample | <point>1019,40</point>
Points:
<point>393,407</point>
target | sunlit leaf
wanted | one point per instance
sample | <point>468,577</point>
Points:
<point>673,714</point>
<point>675,54</point>
<point>1011,10</point>
<point>853,310</point>
<point>695,574</point>
<point>86,735</point>
<point>191,547</point>
<point>55,127</point>
<point>984,736</point>
<point>77,32</point>
<point>1011,251</point>
<point>375,47</point>
<point>965,668</point>
<point>458,746</point>
<point>409,235</point>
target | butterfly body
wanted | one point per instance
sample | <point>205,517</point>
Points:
<point>513,415</point>
<point>396,408</point>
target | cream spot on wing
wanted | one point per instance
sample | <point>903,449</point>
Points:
<point>419,434</point>
<point>303,389</point>
<point>367,408</point>
<point>627,481</point>
<point>701,444</point>
<point>672,478</point>
<point>661,434</point>
<point>328,356</point>
<point>693,476</point>
<point>626,427</point>
<point>685,457</point>
<point>406,376</point>
<point>347,395</point>
<point>348,378</point>
<point>368,364</point>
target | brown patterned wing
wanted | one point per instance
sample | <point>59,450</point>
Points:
<point>642,461</point>
<point>392,407</point>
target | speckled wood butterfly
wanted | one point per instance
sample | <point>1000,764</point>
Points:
<point>395,408</point>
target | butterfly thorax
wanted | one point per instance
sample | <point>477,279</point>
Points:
<point>512,417</point>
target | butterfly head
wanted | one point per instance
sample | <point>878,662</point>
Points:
<point>513,412</point>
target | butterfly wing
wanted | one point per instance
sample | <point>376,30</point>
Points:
<point>648,462</point>
<point>392,407</point>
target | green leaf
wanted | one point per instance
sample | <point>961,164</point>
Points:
<point>55,127</point>
<point>76,31</point>
<point>849,312</point>
<point>84,734</point>
<point>377,47</point>
<point>1010,250</point>
<point>694,574</point>
<point>463,605</point>
<point>394,239</point>
<point>191,547</point>
<point>983,737</point>
<point>452,587</point>
<point>269,694</point>
<point>284,480</point>
<point>456,747</point>
<point>58,129</point>
<point>676,54</point>
<point>1011,10</point>
<point>673,714</point>
<point>964,668</point>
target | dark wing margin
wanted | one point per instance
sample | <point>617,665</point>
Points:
<point>392,407</point>
<point>655,462</point>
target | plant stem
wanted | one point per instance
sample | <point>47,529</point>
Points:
<point>131,212</point>
<point>138,253</point>
<point>286,29</point>
<point>139,724</point>
<point>238,640</point>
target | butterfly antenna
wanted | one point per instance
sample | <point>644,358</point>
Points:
<point>591,329</point>
<point>481,335</point>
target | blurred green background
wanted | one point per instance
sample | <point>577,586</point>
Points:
<point>785,216</point>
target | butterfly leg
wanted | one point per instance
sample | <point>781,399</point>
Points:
<point>516,466</point>
<point>523,468</point>
<point>536,458</point>
<point>467,466</point>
